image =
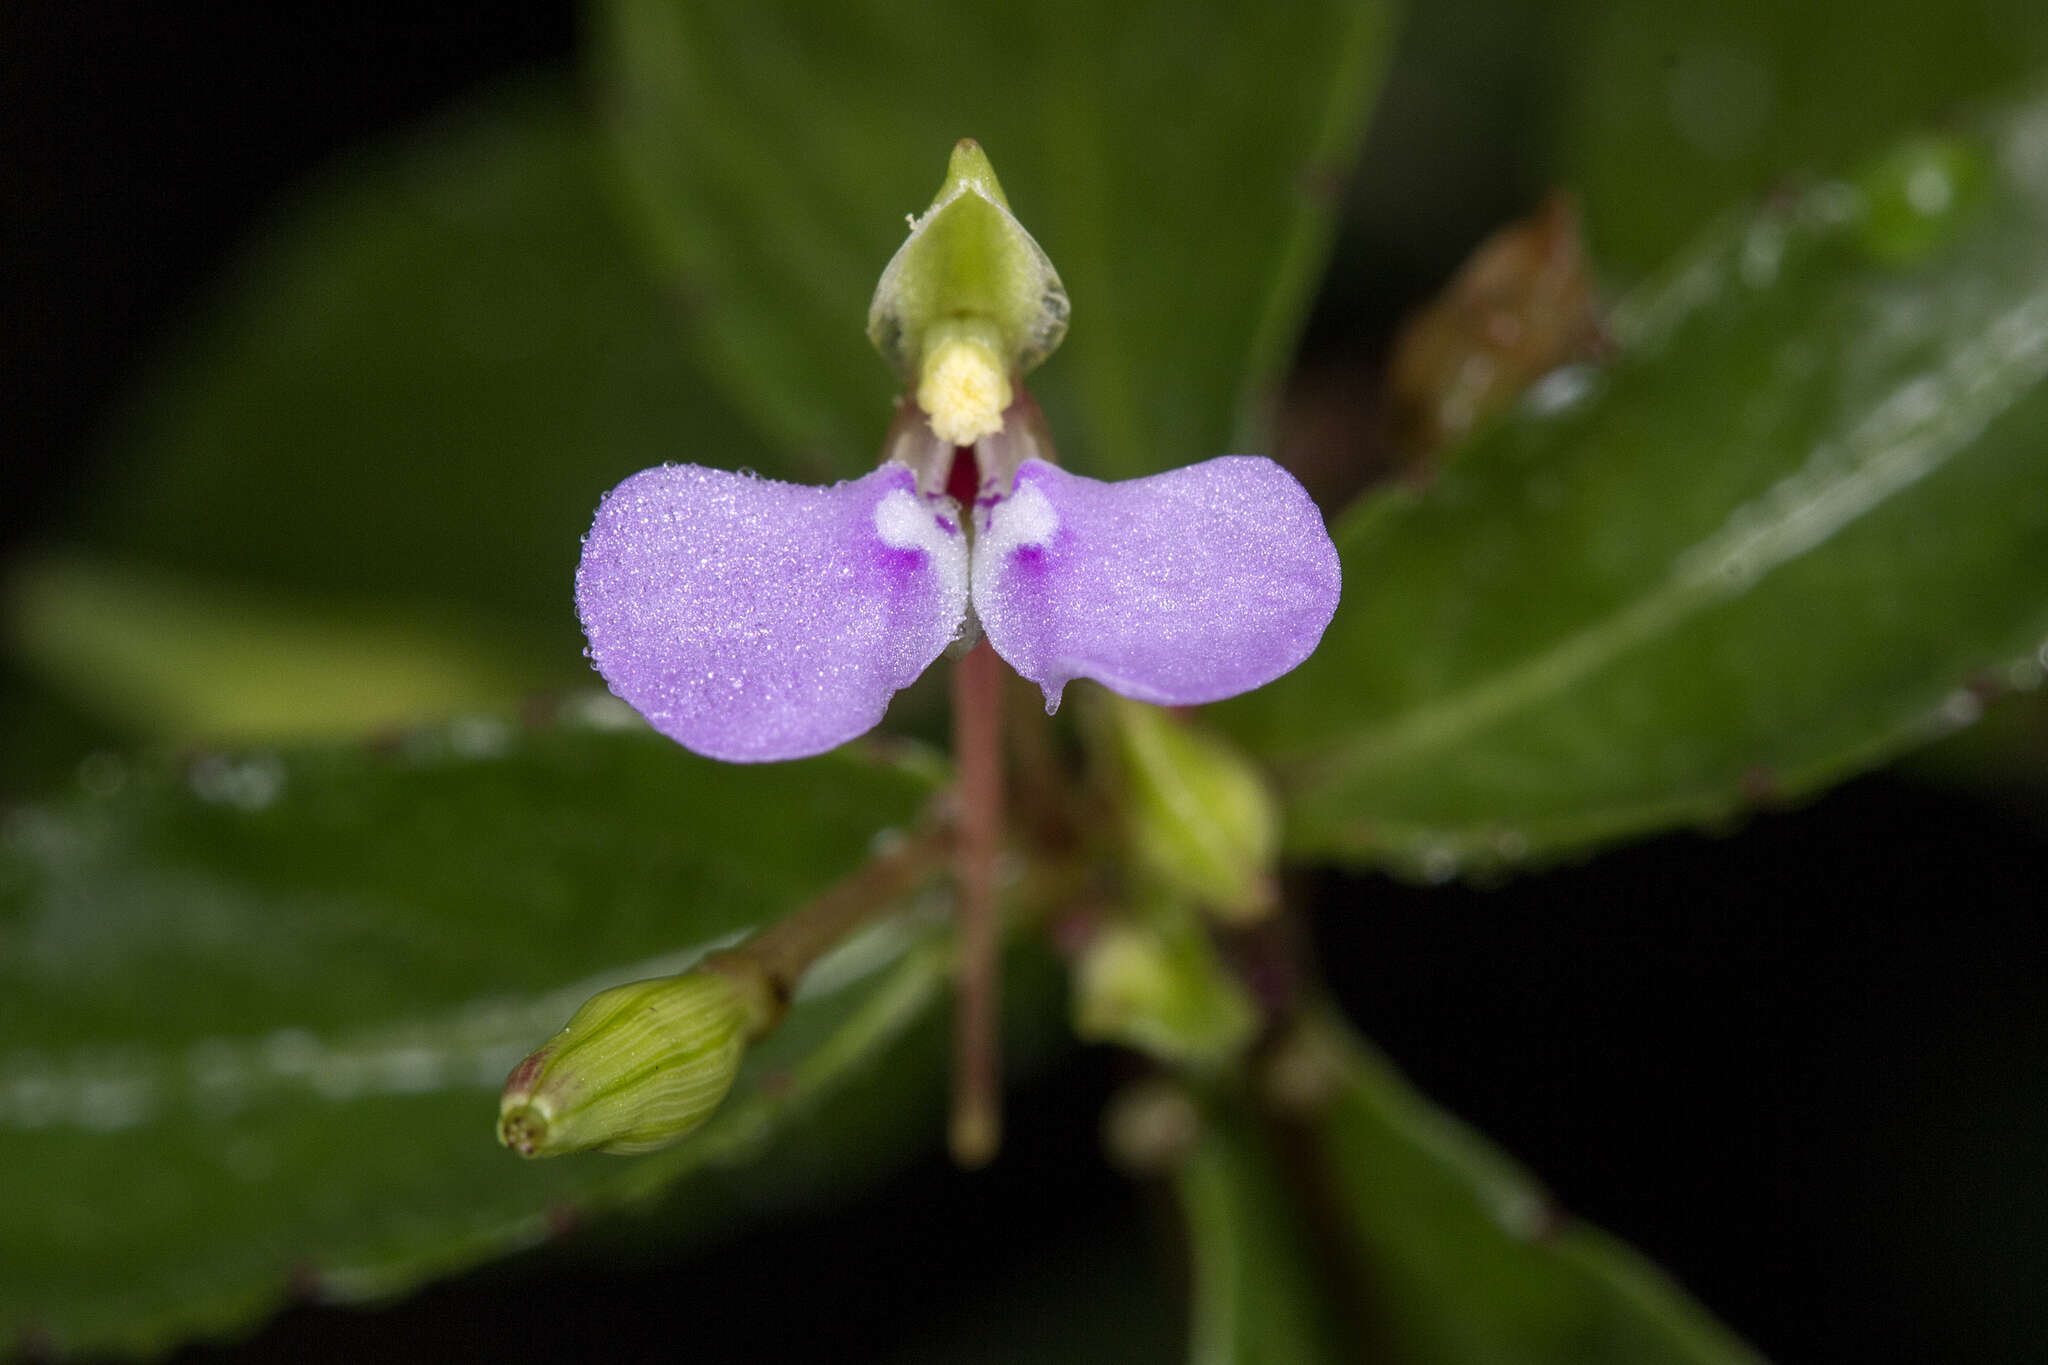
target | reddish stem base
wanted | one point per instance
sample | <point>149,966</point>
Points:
<point>975,1130</point>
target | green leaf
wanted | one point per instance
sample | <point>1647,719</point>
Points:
<point>43,735</point>
<point>1177,162</point>
<point>1669,112</point>
<point>1257,1287</point>
<point>1462,1259</point>
<point>420,382</point>
<point>166,657</point>
<point>255,1011</point>
<point>1791,532</point>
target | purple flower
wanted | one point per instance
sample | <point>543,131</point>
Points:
<point>752,620</point>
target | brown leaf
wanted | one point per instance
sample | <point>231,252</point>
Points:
<point>1520,306</point>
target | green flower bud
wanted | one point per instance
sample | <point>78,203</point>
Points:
<point>1203,822</point>
<point>1159,988</point>
<point>968,304</point>
<point>636,1068</point>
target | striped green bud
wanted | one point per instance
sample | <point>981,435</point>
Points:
<point>636,1068</point>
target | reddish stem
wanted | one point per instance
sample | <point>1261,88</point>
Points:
<point>976,1126</point>
<point>779,955</point>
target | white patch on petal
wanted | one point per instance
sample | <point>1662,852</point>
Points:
<point>1004,600</point>
<point>1025,518</point>
<point>904,522</point>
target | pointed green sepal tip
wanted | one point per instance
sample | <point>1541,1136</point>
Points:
<point>970,168</point>
<point>968,303</point>
<point>636,1068</point>
<point>1204,823</point>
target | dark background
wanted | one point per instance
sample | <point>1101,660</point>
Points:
<point>1801,1066</point>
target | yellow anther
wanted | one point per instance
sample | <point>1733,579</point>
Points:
<point>963,385</point>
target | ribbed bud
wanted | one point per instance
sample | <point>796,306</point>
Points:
<point>1204,823</point>
<point>636,1068</point>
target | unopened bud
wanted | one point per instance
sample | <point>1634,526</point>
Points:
<point>1203,821</point>
<point>1160,988</point>
<point>968,303</point>
<point>636,1068</point>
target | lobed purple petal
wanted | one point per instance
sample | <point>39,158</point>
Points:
<point>1185,587</point>
<point>752,620</point>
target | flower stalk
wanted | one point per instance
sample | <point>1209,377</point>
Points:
<point>975,1130</point>
<point>641,1066</point>
<point>780,954</point>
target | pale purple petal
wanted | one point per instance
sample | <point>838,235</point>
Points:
<point>752,620</point>
<point>1181,588</point>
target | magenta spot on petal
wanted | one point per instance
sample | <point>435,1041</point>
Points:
<point>897,563</point>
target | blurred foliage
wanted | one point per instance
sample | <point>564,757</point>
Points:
<point>1778,540</point>
<point>256,1009</point>
<point>1357,1222</point>
<point>173,658</point>
<point>1259,1288</point>
<point>2005,754</point>
<point>420,384</point>
<point>1657,117</point>
<point>1460,1257</point>
<point>1175,161</point>
<point>43,733</point>
<point>1667,114</point>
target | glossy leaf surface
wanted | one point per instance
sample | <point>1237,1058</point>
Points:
<point>1799,525</point>
<point>1459,1258</point>
<point>255,1010</point>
